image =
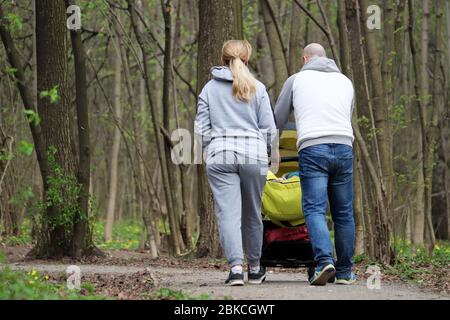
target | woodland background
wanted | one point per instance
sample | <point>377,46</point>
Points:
<point>86,116</point>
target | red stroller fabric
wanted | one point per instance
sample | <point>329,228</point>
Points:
<point>286,234</point>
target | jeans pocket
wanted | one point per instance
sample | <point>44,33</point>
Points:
<point>312,166</point>
<point>346,165</point>
<point>345,152</point>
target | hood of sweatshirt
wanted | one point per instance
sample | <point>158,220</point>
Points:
<point>222,74</point>
<point>321,64</point>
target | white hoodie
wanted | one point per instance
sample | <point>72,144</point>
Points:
<point>322,99</point>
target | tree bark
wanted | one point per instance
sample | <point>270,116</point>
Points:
<point>432,127</point>
<point>280,64</point>
<point>380,111</point>
<point>216,26</point>
<point>115,149</point>
<point>380,246</point>
<point>82,242</point>
<point>28,98</point>
<point>52,68</point>
<point>173,170</point>
<point>295,48</point>
<point>154,116</point>
<point>344,47</point>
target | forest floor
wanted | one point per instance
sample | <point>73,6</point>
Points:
<point>127,274</point>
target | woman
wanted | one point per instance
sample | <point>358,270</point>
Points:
<point>234,119</point>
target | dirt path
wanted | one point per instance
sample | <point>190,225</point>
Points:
<point>279,285</point>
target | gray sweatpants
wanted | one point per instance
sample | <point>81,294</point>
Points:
<point>237,189</point>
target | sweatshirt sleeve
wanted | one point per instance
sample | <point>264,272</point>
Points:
<point>266,121</point>
<point>202,124</point>
<point>284,105</point>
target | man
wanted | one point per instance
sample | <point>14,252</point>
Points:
<point>322,98</point>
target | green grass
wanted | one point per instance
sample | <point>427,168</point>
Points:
<point>415,264</point>
<point>23,239</point>
<point>126,235</point>
<point>170,294</point>
<point>32,285</point>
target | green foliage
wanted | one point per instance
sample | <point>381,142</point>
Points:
<point>250,22</point>
<point>364,122</point>
<point>32,117</point>
<point>62,194</point>
<point>94,5</point>
<point>20,285</point>
<point>359,258</point>
<point>15,22</point>
<point>415,264</point>
<point>398,116</point>
<point>10,71</point>
<point>23,238</point>
<point>62,199</point>
<point>89,287</point>
<point>6,156</point>
<point>26,148</point>
<point>21,197</point>
<point>52,94</point>
<point>126,235</point>
<point>412,264</point>
<point>170,294</point>
<point>391,57</point>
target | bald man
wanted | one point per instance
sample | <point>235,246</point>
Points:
<point>322,99</point>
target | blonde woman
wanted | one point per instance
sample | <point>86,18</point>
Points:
<point>235,119</point>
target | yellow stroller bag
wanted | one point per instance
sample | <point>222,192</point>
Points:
<point>281,201</point>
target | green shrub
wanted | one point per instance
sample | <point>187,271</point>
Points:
<point>126,235</point>
<point>170,294</point>
<point>21,285</point>
<point>414,263</point>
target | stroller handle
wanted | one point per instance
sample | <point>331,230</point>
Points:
<point>289,159</point>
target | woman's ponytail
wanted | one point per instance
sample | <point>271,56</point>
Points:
<point>235,52</point>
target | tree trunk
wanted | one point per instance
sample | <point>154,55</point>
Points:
<point>28,98</point>
<point>115,149</point>
<point>52,68</point>
<point>173,170</point>
<point>358,209</point>
<point>344,47</point>
<point>238,20</point>
<point>432,125</point>
<point>380,246</point>
<point>380,110</point>
<point>280,66</point>
<point>82,238</point>
<point>295,47</point>
<point>422,100</point>
<point>216,26</point>
<point>154,115</point>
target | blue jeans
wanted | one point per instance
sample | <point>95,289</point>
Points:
<point>326,170</point>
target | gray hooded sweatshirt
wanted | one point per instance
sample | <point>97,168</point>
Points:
<point>227,124</point>
<point>322,100</point>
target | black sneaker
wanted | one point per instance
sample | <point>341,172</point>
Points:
<point>258,277</point>
<point>235,279</point>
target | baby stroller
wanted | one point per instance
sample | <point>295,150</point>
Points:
<point>286,242</point>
